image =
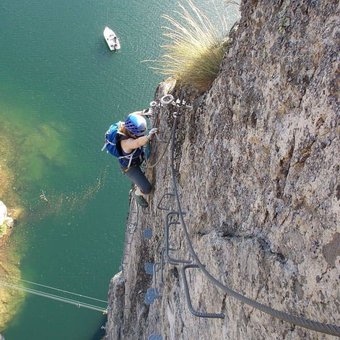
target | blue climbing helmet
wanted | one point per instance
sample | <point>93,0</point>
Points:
<point>135,124</point>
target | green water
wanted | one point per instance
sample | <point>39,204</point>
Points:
<point>60,89</point>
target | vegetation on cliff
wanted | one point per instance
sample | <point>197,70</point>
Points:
<point>195,46</point>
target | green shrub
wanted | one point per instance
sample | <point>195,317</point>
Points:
<point>195,47</point>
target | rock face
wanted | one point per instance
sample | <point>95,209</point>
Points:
<point>257,170</point>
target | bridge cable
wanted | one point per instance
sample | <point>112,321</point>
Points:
<point>53,297</point>
<point>63,291</point>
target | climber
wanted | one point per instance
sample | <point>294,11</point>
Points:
<point>125,140</point>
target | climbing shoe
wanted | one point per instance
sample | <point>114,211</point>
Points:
<point>141,201</point>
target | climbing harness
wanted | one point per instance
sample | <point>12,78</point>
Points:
<point>111,145</point>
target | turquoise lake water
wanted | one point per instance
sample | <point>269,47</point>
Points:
<point>60,89</point>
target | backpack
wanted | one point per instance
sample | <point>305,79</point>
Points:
<point>111,141</point>
<point>112,146</point>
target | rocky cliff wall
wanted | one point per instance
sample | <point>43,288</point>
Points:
<point>257,170</point>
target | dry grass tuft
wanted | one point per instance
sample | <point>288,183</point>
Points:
<point>195,49</point>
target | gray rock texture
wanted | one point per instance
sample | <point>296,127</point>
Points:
<point>257,169</point>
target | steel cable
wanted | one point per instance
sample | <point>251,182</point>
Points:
<point>300,321</point>
<point>150,166</point>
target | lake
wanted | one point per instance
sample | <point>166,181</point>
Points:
<point>60,89</point>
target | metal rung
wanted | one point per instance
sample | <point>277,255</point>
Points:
<point>187,295</point>
<point>155,270</point>
<point>159,204</point>
<point>168,224</point>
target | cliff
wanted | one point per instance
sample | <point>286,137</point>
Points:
<point>10,211</point>
<point>256,165</point>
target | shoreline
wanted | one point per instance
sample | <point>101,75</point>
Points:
<point>12,209</point>
<point>7,186</point>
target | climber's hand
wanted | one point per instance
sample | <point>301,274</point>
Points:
<point>152,132</point>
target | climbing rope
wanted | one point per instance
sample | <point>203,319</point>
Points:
<point>300,321</point>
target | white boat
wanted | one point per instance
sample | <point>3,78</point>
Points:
<point>111,39</point>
